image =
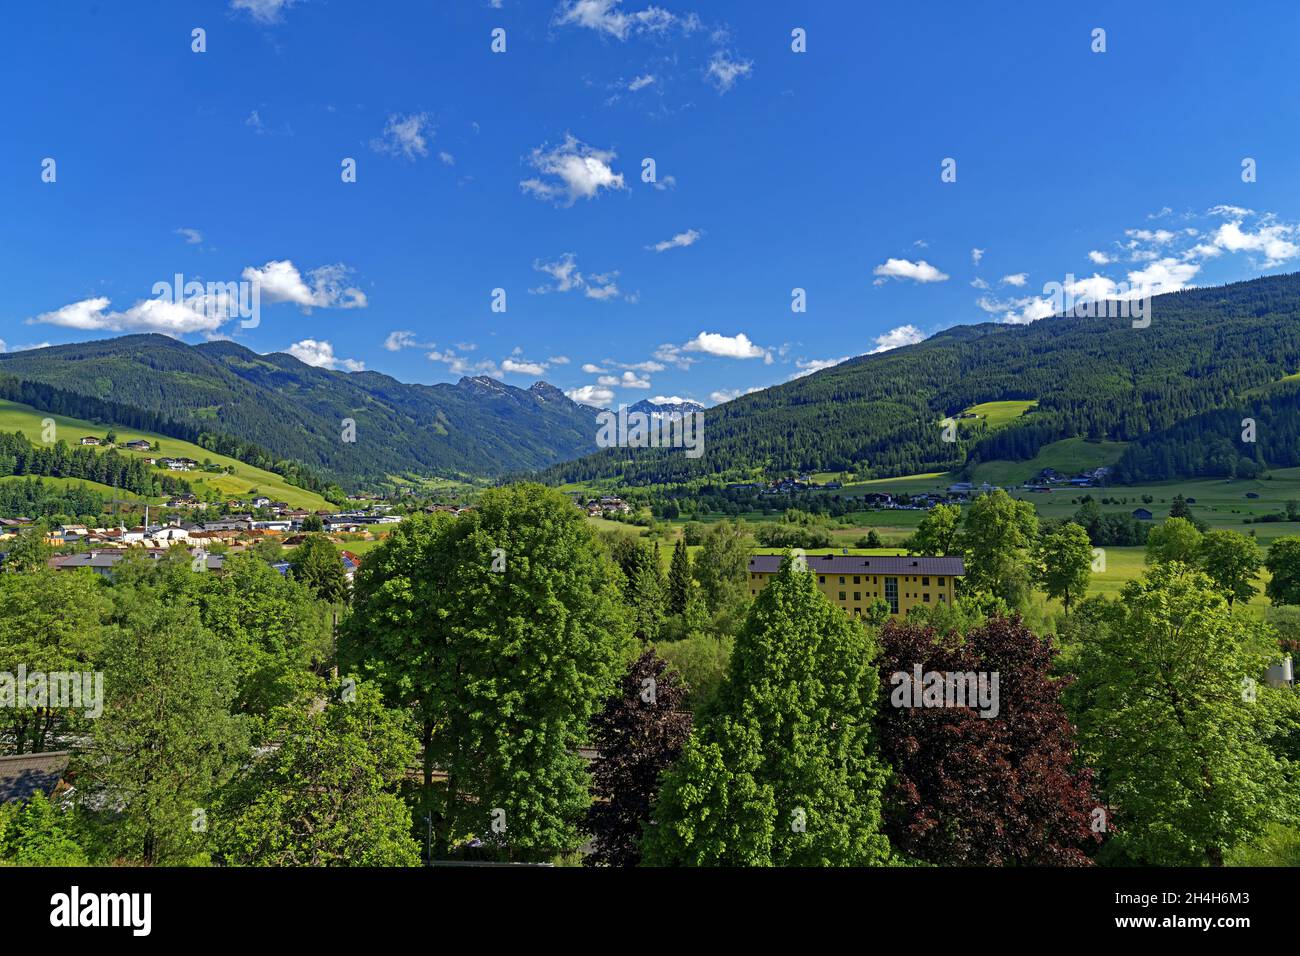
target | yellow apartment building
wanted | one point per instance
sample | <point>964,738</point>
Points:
<point>855,582</point>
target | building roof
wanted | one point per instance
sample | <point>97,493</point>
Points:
<point>865,564</point>
<point>23,776</point>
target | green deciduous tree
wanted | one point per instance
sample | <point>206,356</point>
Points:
<point>1232,561</point>
<point>324,795</point>
<point>679,578</point>
<point>316,563</point>
<point>1065,563</point>
<point>1170,714</point>
<point>938,532</point>
<point>166,740</point>
<point>996,540</point>
<point>502,668</point>
<point>722,569</point>
<point>50,621</point>
<point>1283,565</point>
<point>1175,540</point>
<point>782,771</point>
<point>36,833</point>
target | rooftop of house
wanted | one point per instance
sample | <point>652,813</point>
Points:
<point>864,564</point>
<point>22,777</point>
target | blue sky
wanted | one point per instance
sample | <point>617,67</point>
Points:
<point>522,171</point>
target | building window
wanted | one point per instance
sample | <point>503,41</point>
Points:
<point>925,582</point>
<point>891,594</point>
<point>821,579</point>
<point>841,595</point>
<point>926,596</point>
<point>941,582</point>
<point>857,595</point>
<point>856,579</point>
<point>841,579</point>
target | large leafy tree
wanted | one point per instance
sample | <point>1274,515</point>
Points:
<point>938,532</point>
<point>1175,540</point>
<point>996,540</point>
<point>782,772</point>
<point>1283,565</point>
<point>316,563</point>
<point>637,736</point>
<point>974,790</point>
<point>50,621</point>
<point>37,833</point>
<point>166,740</point>
<point>1171,714</point>
<point>1065,563</point>
<point>679,578</point>
<point>1232,561</point>
<point>722,569</point>
<point>503,630</point>
<point>325,794</point>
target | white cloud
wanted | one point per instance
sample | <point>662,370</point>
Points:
<point>591,369</point>
<point>281,281</point>
<point>816,365</point>
<point>679,241</point>
<point>566,278</point>
<point>641,82</point>
<point>626,380</point>
<point>459,365</point>
<point>1017,279</point>
<point>727,394</point>
<point>664,183</point>
<point>447,158</point>
<point>1100,258</point>
<point>596,395</point>
<point>976,255</point>
<point>1273,240</point>
<point>609,17</point>
<point>192,236</point>
<point>672,354</point>
<point>573,170</point>
<point>894,338</point>
<point>263,11</point>
<point>321,354</point>
<point>920,271</point>
<point>977,283</point>
<point>736,346</point>
<point>523,367</point>
<point>724,71</point>
<point>397,341</point>
<point>405,136</point>
<point>147,315</point>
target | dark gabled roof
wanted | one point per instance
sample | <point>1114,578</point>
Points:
<point>865,564</point>
<point>22,777</point>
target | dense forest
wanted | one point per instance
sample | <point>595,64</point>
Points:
<point>1098,378</point>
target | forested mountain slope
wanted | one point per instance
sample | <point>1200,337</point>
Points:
<point>1097,378</point>
<point>476,427</point>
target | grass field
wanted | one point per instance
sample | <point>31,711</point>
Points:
<point>25,419</point>
<point>997,414</point>
<point>108,491</point>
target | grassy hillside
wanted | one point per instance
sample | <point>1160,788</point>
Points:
<point>25,419</point>
<point>1069,456</point>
